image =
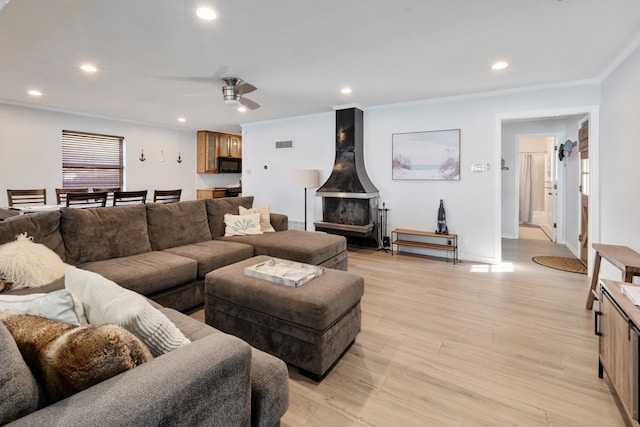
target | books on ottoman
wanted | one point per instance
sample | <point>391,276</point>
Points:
<point>284,272</point>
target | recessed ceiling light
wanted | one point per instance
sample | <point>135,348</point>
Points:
<point>182,119</point>
<point>34,92</point>
<point>500,65</point>
<point>88,68</point>
<point>206,13</point>
<point>242,109</point>
<point>346,90</point>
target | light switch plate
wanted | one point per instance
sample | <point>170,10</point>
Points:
<point>478,167</point>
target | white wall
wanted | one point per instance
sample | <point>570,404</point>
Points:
<point>31,153</point>
<point>472,204</point>
<point>619,157</point>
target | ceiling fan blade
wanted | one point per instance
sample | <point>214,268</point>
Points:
<point>245,88</point>
<point>249,103</point>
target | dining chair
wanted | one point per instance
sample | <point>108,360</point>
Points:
<point>61,194</point>
<point>129,197</point>
<point>95,199</point>
<point>167,196</point>
<point>27,197</point>
<point>110,191</point>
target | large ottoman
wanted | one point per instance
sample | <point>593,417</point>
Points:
<point>309,327</point>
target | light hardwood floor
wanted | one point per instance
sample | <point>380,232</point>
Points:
<point>464,345</point>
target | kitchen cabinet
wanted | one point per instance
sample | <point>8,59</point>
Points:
<point>211,193</point>
<point>212,146</point>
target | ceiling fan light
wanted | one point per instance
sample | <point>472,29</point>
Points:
<point>231,101</point>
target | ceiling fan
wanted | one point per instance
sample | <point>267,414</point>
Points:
<point>233,91</point>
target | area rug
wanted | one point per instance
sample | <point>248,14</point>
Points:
<point>572,265</point>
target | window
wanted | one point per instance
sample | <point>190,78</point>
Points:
<point>91,160</point>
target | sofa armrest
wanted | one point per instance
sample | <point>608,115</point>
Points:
<point>279,222</point>
<point>205,383</point>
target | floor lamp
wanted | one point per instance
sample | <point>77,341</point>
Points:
<point>307,178</point>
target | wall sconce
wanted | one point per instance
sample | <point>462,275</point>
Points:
<point>179,158</point>
<point>502,165</point>
<point>142,158</point>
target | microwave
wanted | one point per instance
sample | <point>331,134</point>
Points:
<point>229,165</point>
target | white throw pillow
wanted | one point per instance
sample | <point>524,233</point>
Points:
<point>58,305</point>
<point>105,302</point>
<point>265,217</point>
<point>27,264</point>
<point>241,225</point>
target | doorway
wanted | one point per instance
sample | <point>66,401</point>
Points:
<point>537,186</point>
<point>564,125</point>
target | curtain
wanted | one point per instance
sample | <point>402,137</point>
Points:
<point>526,188</point>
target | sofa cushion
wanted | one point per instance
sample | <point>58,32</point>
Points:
<point>19,391</point>
<point>96,234</point>
<point>177,224</point>
<point>24,263</point>
<point>146,273</point>
<point>309,247</point>
<point>44,227</point>
<point>57,305</point>
<point>105,302</point>
<point>69,358</point>
<point>216,208</point>
<point>213,254</point>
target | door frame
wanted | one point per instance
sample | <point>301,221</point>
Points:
<point>558,179</point>
<point>591,111</point>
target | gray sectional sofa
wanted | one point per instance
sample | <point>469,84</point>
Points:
<point>164,251</point>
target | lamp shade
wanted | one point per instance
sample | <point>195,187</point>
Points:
<point>307,178</point>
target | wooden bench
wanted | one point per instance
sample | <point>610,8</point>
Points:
<point>625,259</point>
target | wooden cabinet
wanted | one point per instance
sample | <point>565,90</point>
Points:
<point>211,193</point>
<point>617,324</point>
<point>213,145</point>
<point>229,146</point>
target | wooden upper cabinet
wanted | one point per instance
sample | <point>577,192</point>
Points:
<point>212,145</point>
<point>229,146</point>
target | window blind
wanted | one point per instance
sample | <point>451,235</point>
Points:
<point>91,160</point>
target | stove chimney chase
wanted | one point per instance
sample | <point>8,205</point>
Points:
<point>349,177</point>
<point>349,198</point>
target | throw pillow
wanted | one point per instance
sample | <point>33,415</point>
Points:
<point>68,358</point>
<point>19,392</point>
<point>106,302</point>
<point>58,305</point>
<point>242,225</point>
<point>28,264</point>
<point>265,217</point>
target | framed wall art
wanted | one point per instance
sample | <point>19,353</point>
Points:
<point>431,155</point>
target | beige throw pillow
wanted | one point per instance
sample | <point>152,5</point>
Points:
<point>242,225</point>
<point>106,302</point>
<point>26,264</point>
<point>265,217</point>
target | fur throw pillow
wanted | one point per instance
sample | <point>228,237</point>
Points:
<point>27,264</point>
<point>66,358</point>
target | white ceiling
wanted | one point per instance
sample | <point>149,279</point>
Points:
<point>299,53</point>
